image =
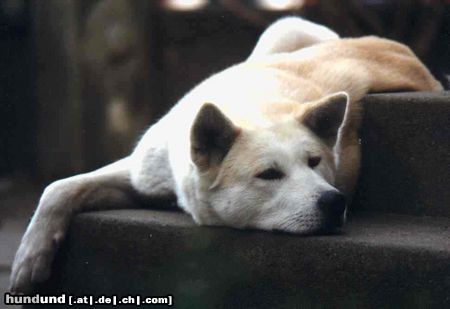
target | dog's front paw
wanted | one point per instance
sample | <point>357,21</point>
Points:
<point>33,260</point>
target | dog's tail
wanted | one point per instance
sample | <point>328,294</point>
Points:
<point>290,34</point>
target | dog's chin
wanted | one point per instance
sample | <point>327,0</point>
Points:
<point>330,226</point>
<point>312,232</point>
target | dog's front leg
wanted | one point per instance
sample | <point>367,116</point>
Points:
<point>108,187</point>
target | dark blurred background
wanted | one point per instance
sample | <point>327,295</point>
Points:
<point>81,79</point>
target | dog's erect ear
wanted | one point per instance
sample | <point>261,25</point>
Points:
<point>212,136</point>
<point>325,116</point>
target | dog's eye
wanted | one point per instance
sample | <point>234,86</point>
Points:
<point>270,174</point>
<point>314,161</point>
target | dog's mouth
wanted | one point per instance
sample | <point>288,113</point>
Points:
<point>333,225</point>
<point>336,230</point>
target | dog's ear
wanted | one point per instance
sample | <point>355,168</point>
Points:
<point>325,116</point>
<point>212,136</point>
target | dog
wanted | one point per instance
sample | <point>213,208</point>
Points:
<point>270,143</point>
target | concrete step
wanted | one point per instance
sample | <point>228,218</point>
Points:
<point>380,260</point>
<point>406,154</point>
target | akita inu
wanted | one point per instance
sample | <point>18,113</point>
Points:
<point>270,143</point>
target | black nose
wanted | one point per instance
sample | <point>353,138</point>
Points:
<point>332,203</point>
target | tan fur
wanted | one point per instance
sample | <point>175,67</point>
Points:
<point>356,66</point>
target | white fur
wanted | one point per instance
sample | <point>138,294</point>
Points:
<point>161,164</point>
<point>288,204</point>
<point>290,34</point>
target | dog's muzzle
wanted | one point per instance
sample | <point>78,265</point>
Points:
<point>333,205</point>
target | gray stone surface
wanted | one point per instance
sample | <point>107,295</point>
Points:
<point>4,283</point>
<point>379,260</point>
<point>18,198</point>
<point>406,154</point>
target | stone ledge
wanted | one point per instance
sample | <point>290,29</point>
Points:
<point>380,260</point>
<point>405,154</point>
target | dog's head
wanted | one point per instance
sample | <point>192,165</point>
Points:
<point>279,177</point>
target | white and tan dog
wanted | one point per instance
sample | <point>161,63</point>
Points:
<point>270,143</point>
